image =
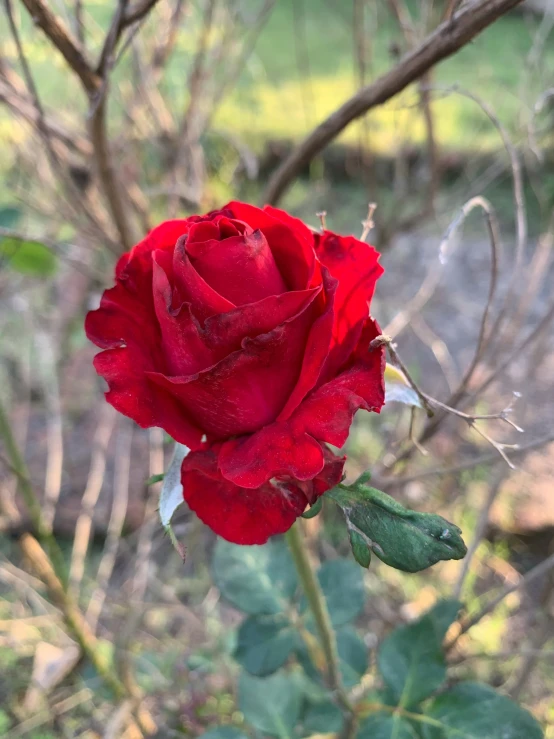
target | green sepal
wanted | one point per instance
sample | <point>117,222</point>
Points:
<point>315,509</point>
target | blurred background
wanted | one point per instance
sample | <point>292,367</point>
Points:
<point>175,107</point>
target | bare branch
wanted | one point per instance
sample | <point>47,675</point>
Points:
<point>444,41</point>
<point>138,12</point>
<point>535,573</point>
<point>79,22</point>
<point>112,37</point>
<point>388,483</point>
<point>63,40</point>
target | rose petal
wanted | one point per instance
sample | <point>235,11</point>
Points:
<point>190,348</point>
<point>240,515</point>
<point>298,226</point>
<point>317,349</point>
<point>130,393</point>
<point>247,389</point>
<point>226,332</point>
<point>127,311</point>
<point>274,451</point>
<point>330,475</point>
<point>183,348</point>
<point>241,268</point>
<point>327,413</point>
<point>192,288</point>
<point>355,265</point>
<point>293,255</point>
<point>163,236</point>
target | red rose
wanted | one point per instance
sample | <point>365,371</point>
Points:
<point>246,337</point>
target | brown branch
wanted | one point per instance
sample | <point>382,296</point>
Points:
<point>64,41</point>
<point>444,41</point>
<point>122,19</point>
<point>112,37</point>
<point>79,22</point>
<point>137,13</point>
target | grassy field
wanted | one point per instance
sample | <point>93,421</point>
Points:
<point>303,66</point>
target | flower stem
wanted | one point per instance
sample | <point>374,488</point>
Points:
<point>316,602</point>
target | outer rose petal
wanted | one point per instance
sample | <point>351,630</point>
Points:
<point>355,265</point>
<point>274,451</point>
<point>130,393</point>
<point>241,268</point>
<point>126,314</point>
<point>317,349</point>
<point>294,257</point>
<point>330,475</point>
<point>250,515</point>
<point>327,413</point>
<point>298,226</point>
<point>163,236</point>
<point>240,515</point>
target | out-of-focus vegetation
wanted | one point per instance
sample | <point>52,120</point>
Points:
<point>160,619</point>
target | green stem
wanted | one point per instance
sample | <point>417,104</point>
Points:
<point>30,498</point>
<point>316,601</point>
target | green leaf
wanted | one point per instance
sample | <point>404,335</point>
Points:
<point>360,549</point>
<point>264,644</point>
<point>9,216</point>
<point>257,579</point>
<point>272,704</point>
<point>224,732</point>
<point>28,257</point>
<point>153,479</point>
<point>411,659</point>
<point>401,538</point>
<point>323,718</point>
<point>343,586</point>
<point>385,726</point>
<point>476,711</point>
<point>353,657</point>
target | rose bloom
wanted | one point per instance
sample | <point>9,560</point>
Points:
<point>245,336</point>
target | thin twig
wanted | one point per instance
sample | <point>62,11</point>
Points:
<point>384,340</point>
<point>542,634</point>
<point>479,531</point>
<point>54,461</point>
<point>115,524</point>
<point>534,574</point>
<point>485,459</point>
<point>83,527</point>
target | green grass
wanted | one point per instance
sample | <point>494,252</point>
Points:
<point>303,67</point>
